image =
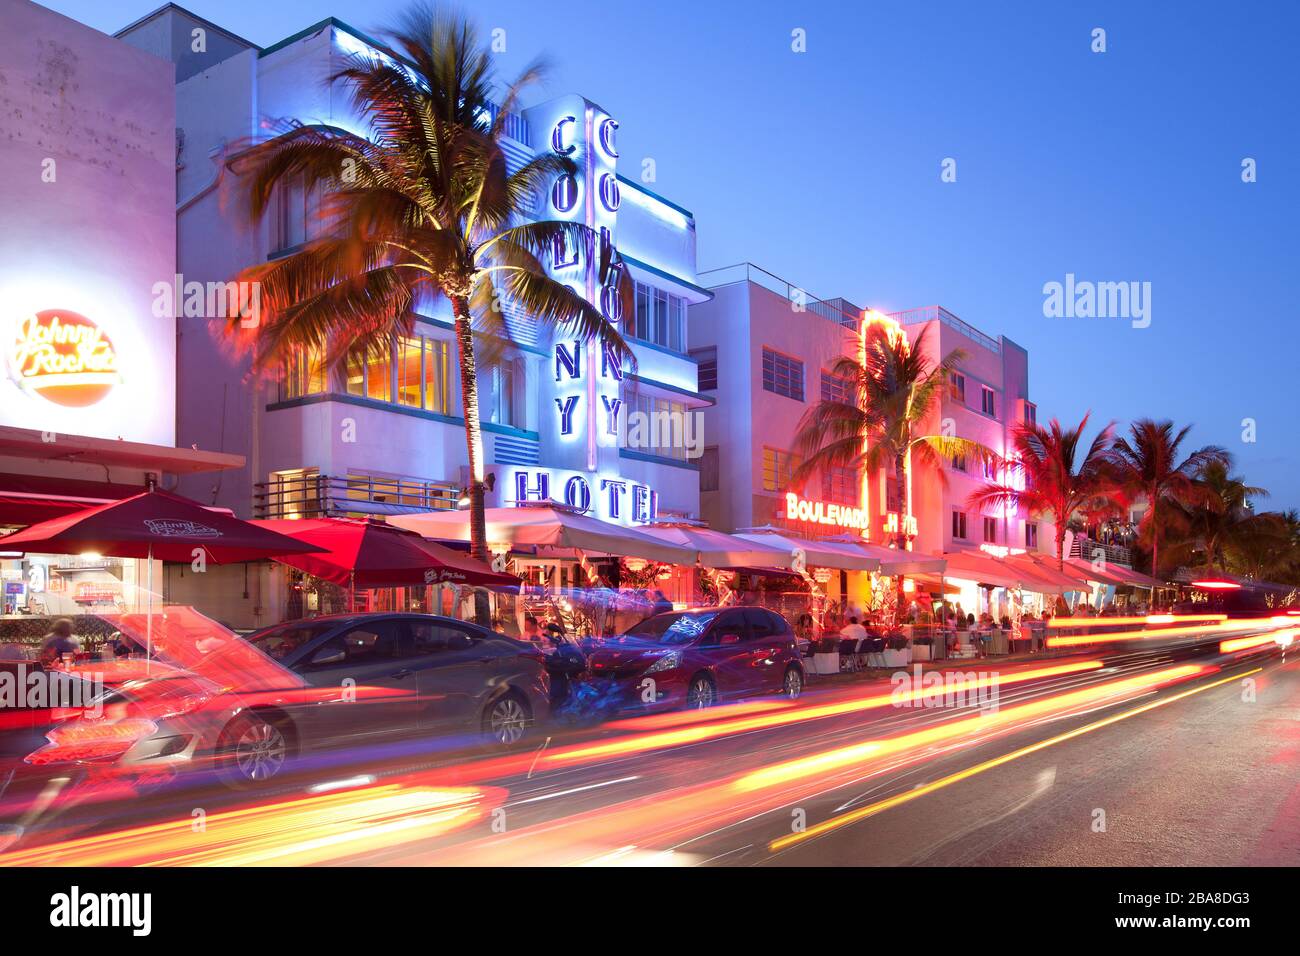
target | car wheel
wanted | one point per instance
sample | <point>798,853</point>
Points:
<point>254,751</point>
<point>507,720</point>
<point>792,685</point>
<point>701,693</point>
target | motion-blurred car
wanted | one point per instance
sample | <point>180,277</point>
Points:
<point>246,707</point>
<point>696,658</point>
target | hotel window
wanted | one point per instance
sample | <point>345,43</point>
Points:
<point>1031,536</point>
<point>840,485</point>
<point>304,374</point>
<point>709,469</point>
<point>778,469</point>
<point>987,402</point>
<point>959,525</point>
<point>293,493</point>
<point>507,394</point>
<point>413,374</point>
<point>959,462</point>
<point>782,375</point>
<point>296,216</point>
<point>707,379</point>
<point>836,388</point>
<point>1031,413</point>
<point>990,530</point>
<point>957,388</point>
<point>660,318</point>
<point>660,427</point>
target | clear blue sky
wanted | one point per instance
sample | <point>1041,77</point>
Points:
<point>823,167</point>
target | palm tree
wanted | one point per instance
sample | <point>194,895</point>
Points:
<point>1221,522</point>
<point>422,211</point>
<point>894,387</point>
<point>1145,464</point>
<point>1055,479</point>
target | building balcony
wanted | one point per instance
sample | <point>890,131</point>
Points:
<point>306,494</point>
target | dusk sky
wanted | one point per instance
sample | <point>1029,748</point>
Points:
<point>824,168</point>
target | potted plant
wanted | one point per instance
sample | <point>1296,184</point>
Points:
<point>898,651</point>
<point>826,655</point>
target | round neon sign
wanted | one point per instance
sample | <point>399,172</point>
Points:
<point>64,358</point>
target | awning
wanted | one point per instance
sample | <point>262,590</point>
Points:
<point>1134,578</point>
<point>984,568</point>
<point>548,527</point>
<point>719,550</point>
<point>34,445</point>
<point>893,561</point>
<point>1067,578</point>
<point>1106,575</point>
<point>817,554</point>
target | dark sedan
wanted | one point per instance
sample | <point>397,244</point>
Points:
<point>695,658</point>
<point>246,707</point>
<point>423,673</point>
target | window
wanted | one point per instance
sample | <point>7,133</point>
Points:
<point>959,462</point>
<point>990,530</point>
<point>659,427</point>
<point>778,469</point>
<point>503,406</point>
<point>660,318</point>
<point>295,215</point>
<point>957,388</point>
<point>372,644</point>
<point>987,402</point>
<point>836,388</point>
<point>840,485</point>
<point>304,374</point>
<point>708,369</point>
<point>413,374</point>
<point>782,375</point>
<point>428,637</point>
<point>959,525</point>
<point>1031,413</point>
<point>764,624</point>
<point>1031,536</point>
<point>293,493</point>
<point>370,376</point>
<point>709,469</point>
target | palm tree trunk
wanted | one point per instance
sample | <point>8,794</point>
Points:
<point>1155,538</point>
<point>900,475</point>
<point>474,441</point>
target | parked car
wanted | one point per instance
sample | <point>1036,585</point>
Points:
<point>247,706</point>
<point>696,658</point>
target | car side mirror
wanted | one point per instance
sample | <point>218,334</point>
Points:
<point>729,639</point>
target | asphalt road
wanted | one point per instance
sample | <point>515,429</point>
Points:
<point>1186,767</point>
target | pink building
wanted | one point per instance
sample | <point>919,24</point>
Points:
<point>987,398</point>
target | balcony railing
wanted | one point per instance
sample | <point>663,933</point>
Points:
<point>937,313</point>
<point>321,496</point>
<point>748,272</point>
<point>1087,549</point>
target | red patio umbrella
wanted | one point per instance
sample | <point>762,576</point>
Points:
<point>368,554</point>
<point>156,525</point>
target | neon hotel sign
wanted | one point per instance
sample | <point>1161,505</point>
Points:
<point>588,376</point>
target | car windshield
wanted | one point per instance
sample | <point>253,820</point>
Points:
<point>280,642</point>
<point>677,628</point>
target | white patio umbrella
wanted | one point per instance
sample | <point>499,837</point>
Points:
<point>720,550</point>
<point>816,553</point>
<point>549,527</point>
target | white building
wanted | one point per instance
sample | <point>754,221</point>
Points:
<point>387,436</point>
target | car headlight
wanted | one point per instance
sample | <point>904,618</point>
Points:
<point>668,662</point>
